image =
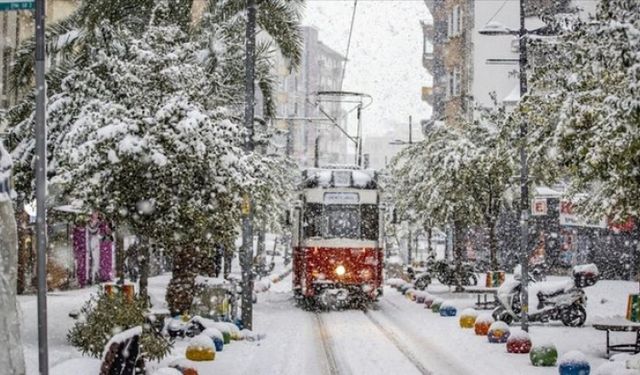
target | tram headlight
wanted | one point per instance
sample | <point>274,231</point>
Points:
<point>340,270</point>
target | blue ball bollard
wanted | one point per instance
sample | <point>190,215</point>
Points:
<point>218,343</point>
<point>448,310</point>
<point>574,363</point>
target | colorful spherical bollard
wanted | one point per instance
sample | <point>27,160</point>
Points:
<point>543,355</point>
<point>498,333</point>
<point>519,342</point>
<point>468,318</point>
<point>201,349</point>
<point>482,324</point>
<point>428,301</point>
<point>218,343</point>
<point>435,306</point>
<point>420,297</point>
<point>447,309</point>
<point>573,363</point>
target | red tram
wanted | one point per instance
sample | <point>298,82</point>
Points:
<point>337,239</point>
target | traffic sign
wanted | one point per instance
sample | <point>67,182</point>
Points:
<point>17,4</point>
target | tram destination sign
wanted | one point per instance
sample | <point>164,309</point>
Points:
<point>6,5</point>
<point>341,198</point>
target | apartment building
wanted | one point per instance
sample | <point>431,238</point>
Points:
<point>468,67</point>
<point>313,139</point>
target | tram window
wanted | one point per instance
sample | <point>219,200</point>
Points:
<point>342,221</point>
<point>370,222</point>
<point>312,224</point>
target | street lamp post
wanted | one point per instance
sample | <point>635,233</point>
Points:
<point>246,251</point>
<point>496,29</point>
<point>399,142</point>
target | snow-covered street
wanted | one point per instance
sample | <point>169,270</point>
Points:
<point>394,336</point>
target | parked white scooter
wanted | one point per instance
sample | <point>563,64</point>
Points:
<point>564,301</point>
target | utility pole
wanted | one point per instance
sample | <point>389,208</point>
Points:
<point>246,251</point>
<point>41,186</point>
<point>410,132</point>
<point>524,176</point>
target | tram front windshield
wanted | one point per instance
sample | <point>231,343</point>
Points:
<point>341,221</point>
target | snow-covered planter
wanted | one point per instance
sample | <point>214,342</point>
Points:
<point>435,306</point>
<point>498,332</point>
<point>201,349</point>
<point>574,363</point>
<point>543,355</point>
<point>447,309</point>
<point>519,342</point>
<point>494,279</point>
<point>482,324</point>
<point>468,318</point>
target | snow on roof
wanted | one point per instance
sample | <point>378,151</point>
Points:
<point>340,177</point>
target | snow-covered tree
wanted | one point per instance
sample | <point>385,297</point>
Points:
<point>456,175</point>
<point>11,356</point>
<point>584,108</point>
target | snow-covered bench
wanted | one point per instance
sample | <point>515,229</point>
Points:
<point>483,293</point>
<point>619,324</point>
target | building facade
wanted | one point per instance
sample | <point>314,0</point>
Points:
<point>471,70</point>
<point>15,27</point>
<point>312,138</point>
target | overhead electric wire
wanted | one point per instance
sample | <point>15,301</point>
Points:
<point>346,57</point>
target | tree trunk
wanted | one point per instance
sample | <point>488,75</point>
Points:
<point>458,251</point>
<point>493,246</point>
<point>120,255</point>
<point>228,258</point>
<point>144,253</point>
<point>429,247</point>
<point>180,291</point>
<point>11,357</point>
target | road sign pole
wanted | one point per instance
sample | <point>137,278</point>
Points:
<point>41,186</point>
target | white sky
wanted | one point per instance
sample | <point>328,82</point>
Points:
<point>385,60</point>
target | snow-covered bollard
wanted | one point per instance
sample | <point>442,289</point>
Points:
<point>498,333</point>
<point>404,287</point>
<point>435,306</point>
<point>216,337</point>
<point>183,366</point>
<point>226,331</point>
<point>421,296</point>
<point>574,363</point>
<point>519,342</point>
<point>482,324</point>
<point>395,282</point>
<point>428,301</point>
<point>543,355</point>
<point>201,349</point>
<point>410,294</point>
<point>468,318</point>
<point>447,309</point>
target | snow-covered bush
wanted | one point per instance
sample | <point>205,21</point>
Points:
<point>104,315</point>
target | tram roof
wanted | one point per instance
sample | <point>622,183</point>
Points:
<point>340,177</point>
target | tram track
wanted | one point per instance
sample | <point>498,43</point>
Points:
<point>327,346</point>
<point>397,342</point>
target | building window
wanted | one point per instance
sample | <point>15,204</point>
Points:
<point>457,82</point>
<point>458,17</point>
<point>450,25</point>
<point>450,85</point>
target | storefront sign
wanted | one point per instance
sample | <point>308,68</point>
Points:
<point>569,218</point>
<point>539,207</point>
<point>341,198</point>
